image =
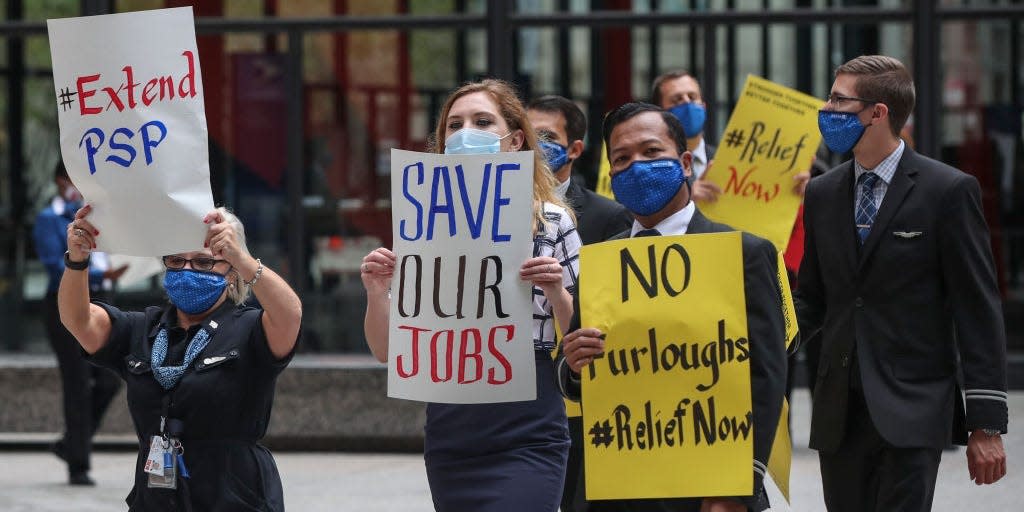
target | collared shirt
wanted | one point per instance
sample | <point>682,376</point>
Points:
<point>885,170</point>
<point>558,240</point>
<point>563,188</point>
<point>700,159</point>
<point>675,224</point>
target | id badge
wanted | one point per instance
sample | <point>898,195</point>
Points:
<point>155,460</point>
<point>169,478</point>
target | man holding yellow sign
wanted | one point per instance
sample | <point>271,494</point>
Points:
<point>701,440</point>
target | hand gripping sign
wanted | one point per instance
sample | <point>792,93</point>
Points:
<point>461,319</point>
<point>133,127</point>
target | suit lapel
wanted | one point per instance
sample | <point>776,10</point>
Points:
<point>698,223</point>
<point>901,185</point>
<point>846,227</point>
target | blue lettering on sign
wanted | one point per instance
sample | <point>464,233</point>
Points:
<point>122,152</point>
<point>500,201</point>
<point>441,174</point>
<point>418,167</point>
<point>475,221</point>
<point>442,201</point>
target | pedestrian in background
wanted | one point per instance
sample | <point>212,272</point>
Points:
<point>86,389</point>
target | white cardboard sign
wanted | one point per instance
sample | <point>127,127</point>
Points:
<point>133,130</point>
<point>461,318</point>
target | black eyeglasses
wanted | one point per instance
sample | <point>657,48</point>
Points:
<point>838,99</point>
<point>201,263</point>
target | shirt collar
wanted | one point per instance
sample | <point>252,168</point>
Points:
<point>675,224</point>
<point>563,187</point>
<point>169,316</point>
<point>885,169</point>
<point>700,158</point>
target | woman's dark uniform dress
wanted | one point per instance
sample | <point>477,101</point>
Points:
<point>509,457</point>
<point>222,401</point>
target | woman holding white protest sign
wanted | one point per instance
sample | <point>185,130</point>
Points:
<point>200,371</point>
<point>508,456</point>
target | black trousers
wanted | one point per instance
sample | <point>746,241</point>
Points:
<point>868,474</point>
<point>87,389</point>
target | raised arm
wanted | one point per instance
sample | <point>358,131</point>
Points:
<point>87,322</point>
<point>282,309</point>
<point>376,271</point>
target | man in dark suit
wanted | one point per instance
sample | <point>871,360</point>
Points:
<point>637,135</point>
<point>562,126</point>
<point>898,276</point>
<point>679,93</point>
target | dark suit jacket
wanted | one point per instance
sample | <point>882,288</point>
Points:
<point>597,217</point>
<point>921,290</point>
<point>766,332</point>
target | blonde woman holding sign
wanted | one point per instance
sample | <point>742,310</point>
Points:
<point>500,456</point>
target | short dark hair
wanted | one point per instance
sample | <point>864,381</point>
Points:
<point>664,77</point>
<point>885,80</point>
<point>59,171</point>
<point>628,111</point>
<point>575,121</point>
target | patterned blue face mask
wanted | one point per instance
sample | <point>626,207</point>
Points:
<point>556,155</point>
<point>840,130</point>
<point>691,115</point>
<point>194,292</point>
<point>470,141</point>
<point>646,186</point>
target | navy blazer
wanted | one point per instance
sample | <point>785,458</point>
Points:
<point>919,295</point>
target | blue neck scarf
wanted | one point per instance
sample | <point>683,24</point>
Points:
<point>168,376</point>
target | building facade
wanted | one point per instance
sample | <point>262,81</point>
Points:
<point>306,98</point>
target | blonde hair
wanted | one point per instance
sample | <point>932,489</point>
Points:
<point>512,111</point>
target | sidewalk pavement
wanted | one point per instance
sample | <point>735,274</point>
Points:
<point>313,482</point>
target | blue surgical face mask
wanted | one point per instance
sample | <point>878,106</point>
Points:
<point>840,130</point>
<point>646,186</point>
<point>556,155</point>
<point>470,141</point>
<point>692,116</point>
<point>192,291</point>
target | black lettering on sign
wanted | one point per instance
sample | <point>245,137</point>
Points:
<point>649,280</point>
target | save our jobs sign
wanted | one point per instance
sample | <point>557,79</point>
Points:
<point>772,135</point>
<point>133,134</point>
<point>461,318</point>
<point>669,401</point>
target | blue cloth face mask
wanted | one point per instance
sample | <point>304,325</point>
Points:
<point>470,141</point>
<point>194,292</point>
<point>840,130</point>
<point>692,116</point>
<point>556,155</point>
<point>646,186</point>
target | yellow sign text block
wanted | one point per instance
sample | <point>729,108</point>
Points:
<point>772,136</point>
<point>667,410</point>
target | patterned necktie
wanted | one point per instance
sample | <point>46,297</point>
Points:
<point>866,209</point>
<point>647,232</point>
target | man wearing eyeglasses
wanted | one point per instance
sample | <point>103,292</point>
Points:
<point>898,276</point>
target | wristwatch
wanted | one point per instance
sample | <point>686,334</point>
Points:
<point>75,265</point>
<point>991,432</point>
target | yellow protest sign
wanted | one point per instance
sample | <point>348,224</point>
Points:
<point>669,402</point>
<point>781,459</point>
<point>772,135</point>
<point>604,176</point>
<point>782,448</point>
<point>788,307</point>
